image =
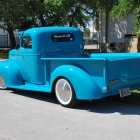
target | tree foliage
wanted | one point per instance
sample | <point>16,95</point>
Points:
<point>6,11</point>
<point>23,14</point>
<point>12,15</point>
<point>86,33</point>
<point>64,12</point>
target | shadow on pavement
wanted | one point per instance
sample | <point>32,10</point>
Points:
<point>47,97</point>
<point>104,106</point>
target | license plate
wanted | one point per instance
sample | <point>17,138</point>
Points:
<point>124,92</point>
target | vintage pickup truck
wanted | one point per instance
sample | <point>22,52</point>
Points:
<point>52,60</point>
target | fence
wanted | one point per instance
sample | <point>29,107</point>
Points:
<point>5,42</point>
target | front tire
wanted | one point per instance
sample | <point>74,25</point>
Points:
<point>2,84</point>
<point>65,93</point>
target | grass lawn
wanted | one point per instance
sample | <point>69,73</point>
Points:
<point>4,53</point>
<point>3,56</point>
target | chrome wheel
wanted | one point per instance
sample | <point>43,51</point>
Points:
<point>65,93</point>
<point>2,85</point>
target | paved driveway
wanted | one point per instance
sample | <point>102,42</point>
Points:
<point>37,116</point>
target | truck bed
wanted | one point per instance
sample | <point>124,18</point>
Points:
<point>113,71</point>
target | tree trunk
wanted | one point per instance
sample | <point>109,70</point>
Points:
<point>11,37</point>
<point>70,24</point>
<point>43,23</point>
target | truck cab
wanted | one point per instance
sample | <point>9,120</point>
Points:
<point>36,43</point>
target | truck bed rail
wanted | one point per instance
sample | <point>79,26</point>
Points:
<point>80,59</point>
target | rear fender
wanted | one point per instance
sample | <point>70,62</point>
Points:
<point>10,73</point>
<point>85,87</point>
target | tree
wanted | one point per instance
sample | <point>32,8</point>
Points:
<point>86,33</point>
<point>24,14</point>
<point>58,12</point>
<point>66,12</point>
<point>11,15</point>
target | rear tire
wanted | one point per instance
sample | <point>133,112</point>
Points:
<point>65,93</point>
<point>2,84</point>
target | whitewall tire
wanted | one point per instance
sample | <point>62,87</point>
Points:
<point>65,93</point>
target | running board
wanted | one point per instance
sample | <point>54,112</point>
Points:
<point>32,87</point>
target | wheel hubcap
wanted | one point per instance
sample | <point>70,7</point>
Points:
<point>63,91</point>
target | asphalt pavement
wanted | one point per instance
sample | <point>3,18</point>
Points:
<point>26,115</point>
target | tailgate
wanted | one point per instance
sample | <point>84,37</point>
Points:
<point>123,73</point>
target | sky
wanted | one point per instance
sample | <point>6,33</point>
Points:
<point>90,26</point>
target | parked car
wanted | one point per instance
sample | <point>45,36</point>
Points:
<point>52,59</point>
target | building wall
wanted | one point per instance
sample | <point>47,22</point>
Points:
<point>112,32</point>
<point>4,38</point>
<point>117,28</point>
<point>2,32</point>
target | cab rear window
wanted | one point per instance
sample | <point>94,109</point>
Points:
<point>62,37</point>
